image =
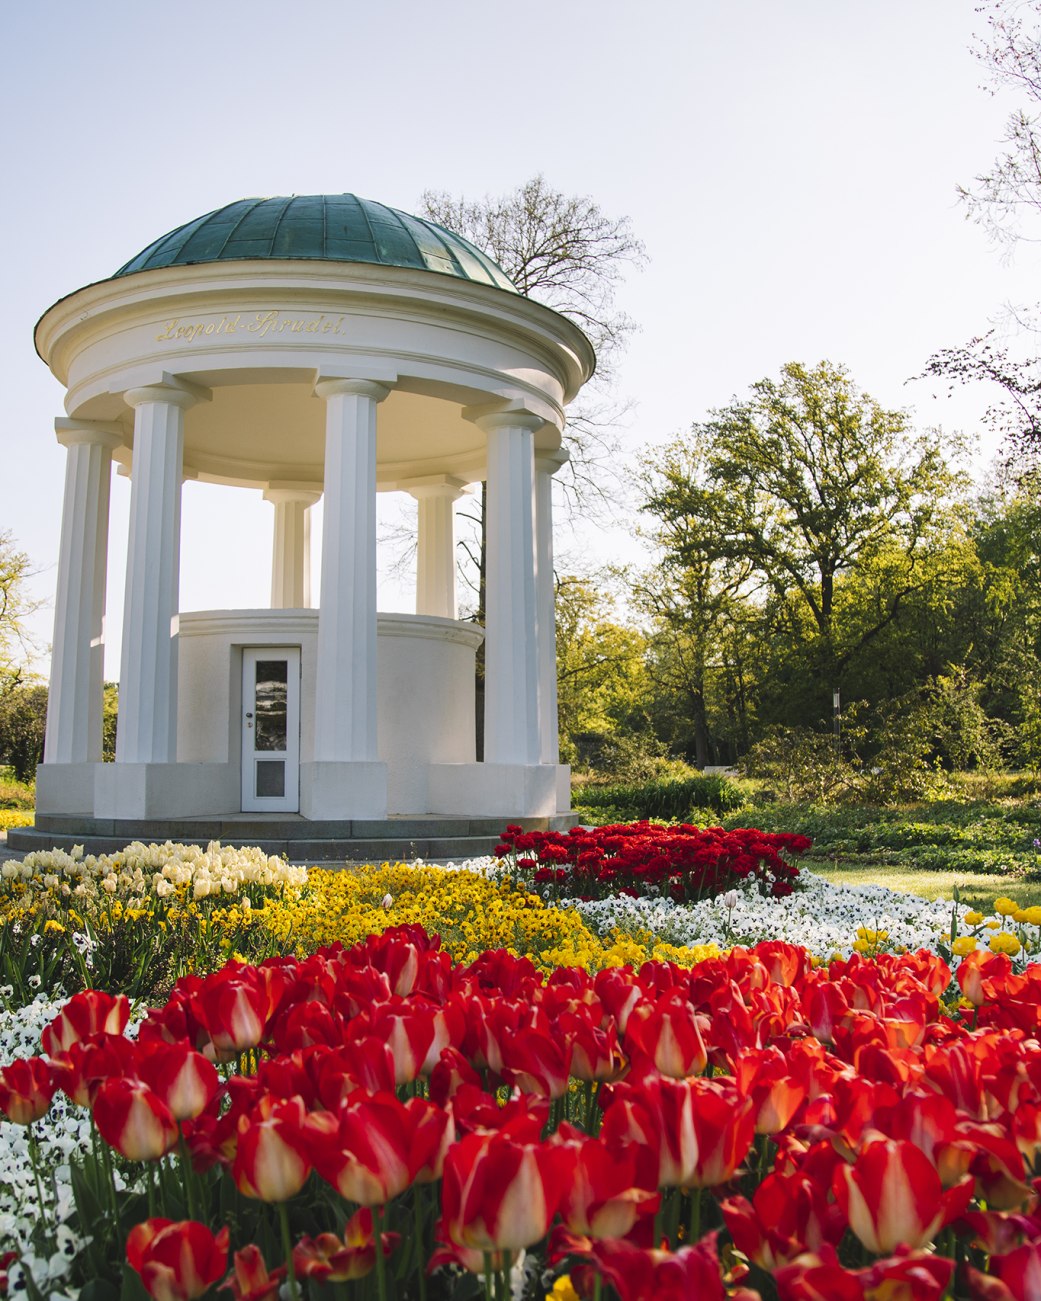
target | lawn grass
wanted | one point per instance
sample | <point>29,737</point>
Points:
<point>976,888</point>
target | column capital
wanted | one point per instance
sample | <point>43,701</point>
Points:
<point>551,462</point>
<point>103,433</point>
<point>432,486</point>
<point>280,494</point>
<point>176,392</point>
<point>369,388</point>
<point>490,418</point>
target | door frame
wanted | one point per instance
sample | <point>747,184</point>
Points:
<point>289,802</point>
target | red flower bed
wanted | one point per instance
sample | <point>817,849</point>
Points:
<point>687,862</point>
<point>753,1127</point>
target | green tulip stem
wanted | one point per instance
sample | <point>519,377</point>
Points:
<point>152,1212</point>
<point>34,1158</point>
<point>287,1250</point>
<point>110,1179</point>
<point>381,1264</point>
<point>417,1220</point>
<point>695,1216</point>
<point>187,1175</point>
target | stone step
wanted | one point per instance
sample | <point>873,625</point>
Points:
<point>312,848</point>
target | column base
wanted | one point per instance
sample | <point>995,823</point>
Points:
<point>331,790</point>
<point>65,787</point>
<point>165,790</point>
<point>497,790</point>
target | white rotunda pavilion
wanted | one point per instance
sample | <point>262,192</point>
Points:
<point>308,347</point>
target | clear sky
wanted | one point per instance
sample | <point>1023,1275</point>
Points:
<point>791,168</point>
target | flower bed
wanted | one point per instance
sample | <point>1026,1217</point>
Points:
<point>134,922</point>
<point>860,1128</point>
<point>682,861</point>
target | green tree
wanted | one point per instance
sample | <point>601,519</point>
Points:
<point>601,673</point>
<point>23,721</point>
<point>803,483</point>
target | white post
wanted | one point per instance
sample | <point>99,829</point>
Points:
<point>291,552</point>
<point>435,547</point>
<point>147,730</point>
<point>74,700</point>
<point>545,614</point>
<point>345,669</point>
<point>511,701</point>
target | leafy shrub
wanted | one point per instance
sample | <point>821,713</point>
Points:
<point>673,801</point>
<point>796,763</point>
<point>15,794</point>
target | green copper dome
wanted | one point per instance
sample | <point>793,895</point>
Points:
<point>322,228</point>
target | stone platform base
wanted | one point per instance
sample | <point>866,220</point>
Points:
<point>299,839</point>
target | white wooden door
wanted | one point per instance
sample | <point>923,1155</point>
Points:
<point>271,729</point>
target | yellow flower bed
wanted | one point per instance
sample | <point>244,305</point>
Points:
<point>135,921</point>
<point>16,818</point>
<point>470,913</point>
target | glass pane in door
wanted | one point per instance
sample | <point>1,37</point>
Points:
<point>271,704</point>
<point>271,777</point>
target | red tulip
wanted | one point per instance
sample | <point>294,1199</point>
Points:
<point>789,1214</point>
<point>766,1076</point>
<point>979,972</point>
<point>608,1190</point>
<point>700,1129</point>
<point>904,1276</point>
<point>433,1134</point>
<point>233,1005</point>
<point>338,1260</point>
<point>892,1196</point>
<point>7,1259</point>
<point>133,1120</point>
<point>499,1194</point>
<point>177,1261</point>
<point>250,1279</point>
<point>83,1065</point>
<point>88,1013</point>
<point>536,1060</point>
<point>271,1160</point>
<point>668,1033</point>
<point>183,1078</point>
<point>450,1074</point>
<point>638,1274</point>
<point>26,1089</point>
<point>595,1052</point>
<point>1014,1277</point>
<point>366,1150</point>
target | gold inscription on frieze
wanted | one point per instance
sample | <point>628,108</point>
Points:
<point>260,325</point>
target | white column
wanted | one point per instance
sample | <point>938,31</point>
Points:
<point>511,704</point>
<point>435,550</point>
<point>74,701</point>
<point>147,730</point>
<point>345,670</point>
<point>545,614</point>
<point>291,552</point>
